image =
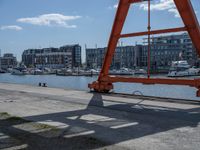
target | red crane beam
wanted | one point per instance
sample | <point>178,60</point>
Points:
<point>181,29</point>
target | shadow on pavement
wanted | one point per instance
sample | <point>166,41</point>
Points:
<point>100,124</point>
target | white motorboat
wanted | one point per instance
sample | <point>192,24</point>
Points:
<point>122,71</point>
<point>36,71</point>
<point>140,72</point>
<point>19,71</point>
<point>182,69</point>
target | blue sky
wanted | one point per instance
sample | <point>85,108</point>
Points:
<point>52,23</point>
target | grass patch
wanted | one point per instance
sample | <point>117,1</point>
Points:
<point>44,126</point>
<point>4,114</point>
<point>7,117</point>
<point>15,118</point>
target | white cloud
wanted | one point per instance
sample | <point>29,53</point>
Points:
<point>175,12</point>
<point>50,20</point>
<point>161,5</point>
<point>158,5</point>
<point>11,27</point>
<point>115,6</point>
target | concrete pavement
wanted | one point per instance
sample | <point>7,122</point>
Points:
<point>104,121</point>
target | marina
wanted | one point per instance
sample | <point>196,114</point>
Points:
<point>81,83</point>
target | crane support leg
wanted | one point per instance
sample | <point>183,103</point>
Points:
<point>120,18</point>
<point>189,18</point>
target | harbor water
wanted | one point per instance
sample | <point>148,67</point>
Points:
<point>81,83</point>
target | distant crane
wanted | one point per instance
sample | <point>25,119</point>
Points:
<point>186,11</point>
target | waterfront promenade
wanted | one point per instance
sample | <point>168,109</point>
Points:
<point>51,118</point>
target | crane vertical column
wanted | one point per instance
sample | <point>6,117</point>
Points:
<point>120,18</point>
<point>149,44</point>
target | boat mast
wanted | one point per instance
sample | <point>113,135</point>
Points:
<point>0,59</point>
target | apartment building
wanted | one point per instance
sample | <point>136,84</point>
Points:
<point>68,56</point>
<point>8,61</point>
<point>164,50</point>
<point>123,57</point>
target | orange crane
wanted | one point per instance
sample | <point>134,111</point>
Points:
<point>186,11</point>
